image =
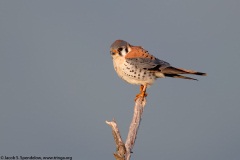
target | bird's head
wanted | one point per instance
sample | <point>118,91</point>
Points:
<point>120,48</point>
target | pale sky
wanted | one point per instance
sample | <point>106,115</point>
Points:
<point>58,85</point>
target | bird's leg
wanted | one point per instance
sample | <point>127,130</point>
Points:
<point>142,92</point>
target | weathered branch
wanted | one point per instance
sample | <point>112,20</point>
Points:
<point>120,147</point>
<point>123,151</point>
<point>133,129</point>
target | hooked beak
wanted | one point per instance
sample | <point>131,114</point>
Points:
<point>113,52</point>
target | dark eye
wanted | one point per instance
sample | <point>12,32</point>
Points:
<point>120,49</point>
<point>126,50</point>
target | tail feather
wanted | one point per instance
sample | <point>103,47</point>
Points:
<point>175,73</point>
<point>173,70</point>
<point>179,76</point>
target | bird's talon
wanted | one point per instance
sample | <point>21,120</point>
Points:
<point>140,95</point>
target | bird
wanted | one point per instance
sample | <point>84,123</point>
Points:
<point>136,65</point>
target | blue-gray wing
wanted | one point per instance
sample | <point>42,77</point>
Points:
<point>148,64</point>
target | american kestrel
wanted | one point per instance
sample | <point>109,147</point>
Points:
<point>136,66</point>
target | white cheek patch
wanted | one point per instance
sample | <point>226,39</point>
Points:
<point>125,51</point>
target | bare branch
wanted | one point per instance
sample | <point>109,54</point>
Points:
<point>123,151</point>
<point>133,129</point>
<point>120,147</point>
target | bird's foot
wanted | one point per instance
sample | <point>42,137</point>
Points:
<point>141,95</point>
